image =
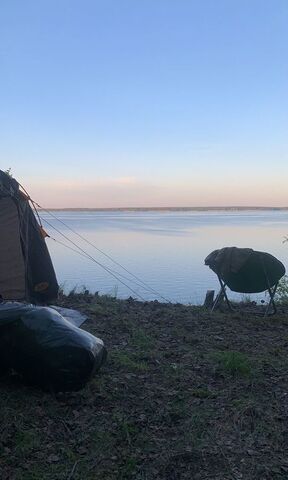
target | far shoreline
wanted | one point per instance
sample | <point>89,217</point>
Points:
<point>165,209</point>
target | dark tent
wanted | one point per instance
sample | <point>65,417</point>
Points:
<point>26,270</point>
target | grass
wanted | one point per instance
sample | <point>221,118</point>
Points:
<point>202,393</point>
<point>233,363</point>
<point>185,394</point>
<point>127,361</point>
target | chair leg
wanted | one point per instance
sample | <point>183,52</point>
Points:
<point>222,293</point>
<point>271,290</point>
<point>271,303</point>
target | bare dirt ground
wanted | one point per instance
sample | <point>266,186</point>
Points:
<point>185,394</point>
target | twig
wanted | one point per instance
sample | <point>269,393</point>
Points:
<point>73,470</point>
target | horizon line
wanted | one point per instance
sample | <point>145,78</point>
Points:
<point>206,208</point>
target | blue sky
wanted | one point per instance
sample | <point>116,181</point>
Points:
<point>146,103</point>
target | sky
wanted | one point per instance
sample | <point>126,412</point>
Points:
<point>108,103</point>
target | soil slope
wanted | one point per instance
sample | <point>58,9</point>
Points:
<point>185,394</point>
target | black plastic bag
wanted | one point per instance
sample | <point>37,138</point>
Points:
<point>46,349</point>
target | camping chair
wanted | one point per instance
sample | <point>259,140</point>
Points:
<point>244,270</point>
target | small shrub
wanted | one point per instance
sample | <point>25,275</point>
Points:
<point>281,295</point>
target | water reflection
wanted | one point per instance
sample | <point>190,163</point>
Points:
<point>166,250</point>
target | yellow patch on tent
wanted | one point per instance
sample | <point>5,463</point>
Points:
<point>40,287</point>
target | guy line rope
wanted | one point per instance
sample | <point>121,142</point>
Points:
<point>135,279</point>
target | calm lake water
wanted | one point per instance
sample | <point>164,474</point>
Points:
<point>166,250</point>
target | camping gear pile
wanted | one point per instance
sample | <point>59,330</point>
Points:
<point>36,341</point>
<point>46,349</point>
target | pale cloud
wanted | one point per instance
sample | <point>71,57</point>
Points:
<point>129,191</point>
<point>74,184</point>
<point>125,181</point>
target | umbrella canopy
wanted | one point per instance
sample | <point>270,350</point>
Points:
<point>245,270</point>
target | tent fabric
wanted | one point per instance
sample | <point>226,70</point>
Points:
<point>12,266</point>
<point>26,270</point>
<point>245,270</point>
